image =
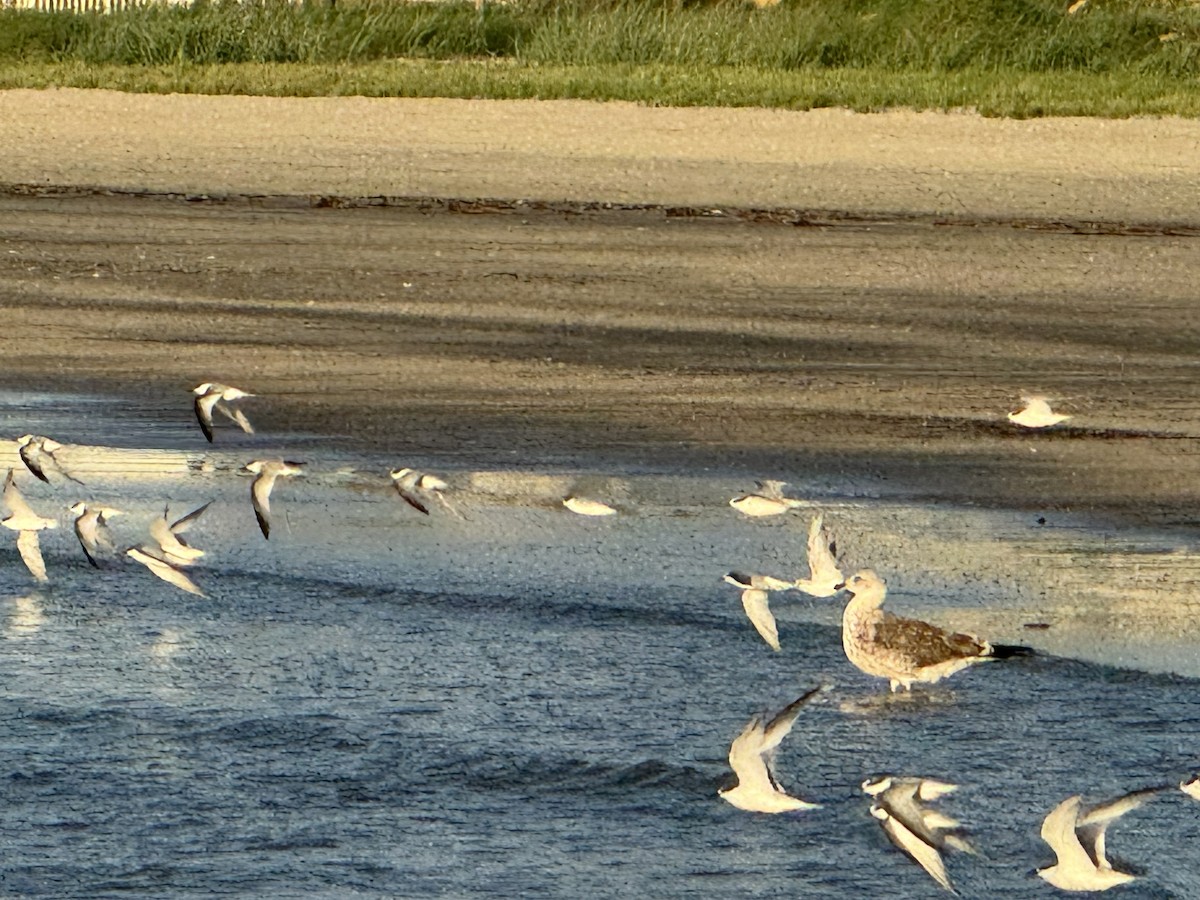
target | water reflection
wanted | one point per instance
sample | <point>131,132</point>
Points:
<point>25,619</point>
<point>167,642</point>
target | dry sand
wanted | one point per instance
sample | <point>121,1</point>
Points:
<point>1134,170</point>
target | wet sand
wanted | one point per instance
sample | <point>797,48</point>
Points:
<point>885,355</point>
<point>834,326</point>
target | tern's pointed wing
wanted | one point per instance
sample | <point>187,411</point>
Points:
<point>203,405</point>
<point>822,559</point>
<point>1038,406</point>
<point>172,547</point>
<point>1091,824</point>
<point>1058,830</point>
<point>411,499</point>
<point>930,790</point>
<point>179,526</point>
<point>236,416</point>
<point>240,418</point>
<point>13,500</point>
<point>756,603</point>
<point>87,529</point>
<point>446,505</point>
<point>58,467</point>
<point>27,544</point>
<point>746,758</point>
<point>260,497</point>
<point>771,489</point>
<point>32,457</point>
<point>166,572</point>
<point>927,857</point>
<point>781,725</point>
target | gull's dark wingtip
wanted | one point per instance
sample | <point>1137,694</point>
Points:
<point>1011,651</point>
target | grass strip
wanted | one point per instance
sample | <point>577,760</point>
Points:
<point>1112,95</point>
<point>1000,57</point>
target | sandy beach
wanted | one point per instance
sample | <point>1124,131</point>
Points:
<point>649,307</point>
<point>851,301</point>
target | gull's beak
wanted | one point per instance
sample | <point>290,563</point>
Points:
<point>840,587</point>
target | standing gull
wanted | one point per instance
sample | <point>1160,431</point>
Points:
<point>905,650</point>
<point>27,524</point>
<point>824,576</point>
<point>414,487</point>
<point>752,757</point>
<point>1076,836</point>
<point>175,550</point>
<point>37,452</point>
<point>267,471</point>
<point>91,527</point>
<point>1036,414</point>
<point>756,602</point>
<point>210,396</point>
<point>769,501</point>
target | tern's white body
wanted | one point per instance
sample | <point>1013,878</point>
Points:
<point>769,501</point>
<point>212,396</point>
<point>907,799</point>
<point>267,471</point>
<point>38,454</point>
<point>414,487</point>
<point>152,560</point>
<point>23,520</point>
<point>824,575</point>
<point>91,527</point>
<point>1076,836</point>
<point>901,650</point>
<point>925,855</point>
<point>756,602</point>
<point>752,757</point>
<point>1036,414</point>
<point>584,507</point>
<point>175,550</point>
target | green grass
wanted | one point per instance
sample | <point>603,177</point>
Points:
<point>1003,57</point>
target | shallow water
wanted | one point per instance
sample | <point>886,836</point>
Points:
<point>524,702</point>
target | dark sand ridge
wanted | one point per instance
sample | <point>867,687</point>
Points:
<point>882,353</point>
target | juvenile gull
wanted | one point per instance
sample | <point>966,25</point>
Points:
<point>769,501</point>
<point>1076,836</point>
<point>756,602</point>
<point>752,757</point>
<point>158,565</point>
<point>267,471</point>
<point>27,524</point>
<point>413,488</point>
<point>585,507</point>
<point>824,575</point>
<point>1036,414</point>
<point>91,527</point>
<point>37,452</point>
<point>209,396</point>
<point>905,650</point>
<point>175,550</point>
